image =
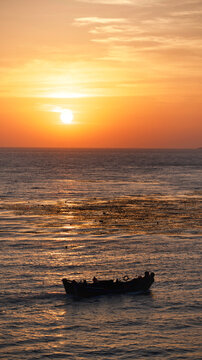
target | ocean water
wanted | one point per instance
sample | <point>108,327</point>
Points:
<point>109,213</point>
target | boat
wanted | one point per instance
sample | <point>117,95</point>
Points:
<point>97,287</point>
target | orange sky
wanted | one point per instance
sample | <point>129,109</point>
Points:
<point>130,71</point>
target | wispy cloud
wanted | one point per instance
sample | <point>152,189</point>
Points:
<point>172,30</point>
<point>97,20</point>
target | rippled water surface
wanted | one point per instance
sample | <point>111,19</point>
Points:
<point>80,213</point>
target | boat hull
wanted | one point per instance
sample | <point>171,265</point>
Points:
<point>84,289</point>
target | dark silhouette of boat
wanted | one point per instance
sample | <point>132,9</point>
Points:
<point>103,287</point>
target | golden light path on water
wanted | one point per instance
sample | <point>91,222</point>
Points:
<point>139,214</point>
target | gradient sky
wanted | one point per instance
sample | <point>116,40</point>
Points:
<point>130,70</point>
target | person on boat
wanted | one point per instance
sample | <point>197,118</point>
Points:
<point>95,280</point>
<point>146,275</point>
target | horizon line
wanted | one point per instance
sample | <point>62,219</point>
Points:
<point>101,148</point>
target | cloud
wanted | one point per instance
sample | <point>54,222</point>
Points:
<point>110,29</point>
<point>166,29</point>
<point>97,20</point>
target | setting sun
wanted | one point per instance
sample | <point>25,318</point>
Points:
<point>66,116</point>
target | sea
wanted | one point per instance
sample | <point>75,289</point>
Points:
<point>80,213</point>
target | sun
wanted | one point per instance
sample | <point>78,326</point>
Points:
<point>66,116</point>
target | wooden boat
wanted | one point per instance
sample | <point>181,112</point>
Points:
<point>101,287</point>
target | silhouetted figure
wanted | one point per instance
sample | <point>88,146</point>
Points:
<point>146,274</point>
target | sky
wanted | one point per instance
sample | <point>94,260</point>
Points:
<point>129,72</point>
